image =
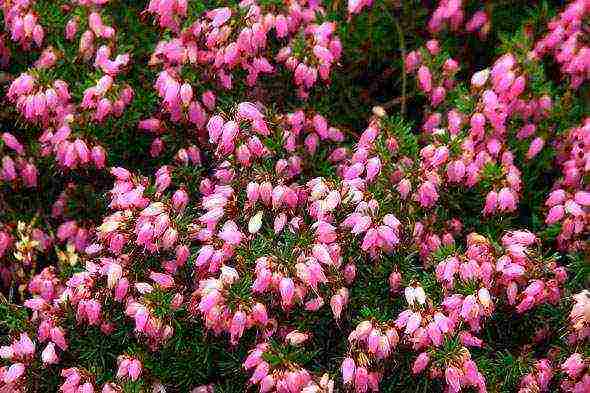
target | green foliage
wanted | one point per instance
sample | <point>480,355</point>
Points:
<point>13,318</point>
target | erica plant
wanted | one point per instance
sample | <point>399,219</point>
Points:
<point>294,196</point>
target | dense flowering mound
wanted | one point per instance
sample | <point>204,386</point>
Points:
<point>294,196</point>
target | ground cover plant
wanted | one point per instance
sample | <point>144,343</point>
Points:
<point>294,196</point>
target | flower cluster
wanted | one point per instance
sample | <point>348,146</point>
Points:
<point>450,13</point>
<point>23,23</point>
<point>569,202</point>
<point>565,42</point>
<point>225,40</point>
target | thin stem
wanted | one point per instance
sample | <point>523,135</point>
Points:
<point>402,47</point>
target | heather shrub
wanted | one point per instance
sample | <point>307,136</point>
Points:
<point>294,196</point>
